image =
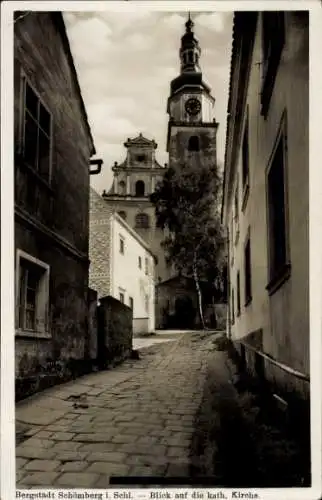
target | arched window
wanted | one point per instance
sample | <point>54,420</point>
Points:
<point>142,221</point>
<point>122,214</point>
<point>193,144</point>
<point>139,188</point>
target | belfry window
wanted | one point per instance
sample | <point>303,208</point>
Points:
<point>193,144</point>
<point>139,188</point>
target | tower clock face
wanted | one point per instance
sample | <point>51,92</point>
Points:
<point>193,106</point>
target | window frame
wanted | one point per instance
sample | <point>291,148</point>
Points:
<point>245,161</point>
<point>42,298</point>
<point>141,225</point>
<point>272,59</point>
<point>238,294</point>
<point>277,276</point>
<point>24,82</point>
<point>121,244</point>
<point>248,272</point>
<point>232,306</point>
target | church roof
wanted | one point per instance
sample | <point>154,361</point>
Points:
<point>140,140</point>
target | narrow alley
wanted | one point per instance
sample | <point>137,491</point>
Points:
<point>175,416</point>
<point>135,420</point>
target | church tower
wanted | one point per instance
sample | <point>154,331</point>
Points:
<point>134,180</point>
<point>192,127</point>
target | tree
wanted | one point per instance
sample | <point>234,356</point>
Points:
<point>187,208</point>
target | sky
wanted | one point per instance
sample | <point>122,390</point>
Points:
<point>125,62</point>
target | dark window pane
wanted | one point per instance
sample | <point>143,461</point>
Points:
<point>31,102</point>
<point>30,146</point>
<point>33,277</point>
<point>193,144</point>
<point>277,211</point>
<point>44,155</point>
<point>30,320</point>
<point>142,221</point>
<point>31,298</point>
<point>44,119</point>
<point>139,188</point>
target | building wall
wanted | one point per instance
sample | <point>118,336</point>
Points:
<point>129,279</point>
<point>55,229</point>
<point>281,320</point>
<point>153,236</point>
<point>100,245</point>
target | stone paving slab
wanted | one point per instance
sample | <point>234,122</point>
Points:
<point>138,421</point>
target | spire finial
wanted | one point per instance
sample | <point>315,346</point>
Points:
<point>189,23</point>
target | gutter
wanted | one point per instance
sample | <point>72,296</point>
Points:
<point>96,171</point>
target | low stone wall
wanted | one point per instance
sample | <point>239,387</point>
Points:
<point>141,326</point>
<point>115,331</point>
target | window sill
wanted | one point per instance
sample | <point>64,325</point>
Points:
<point>33,334</point>
<point>245,196</point>
<point>279,279</point>
<point>248,301</point>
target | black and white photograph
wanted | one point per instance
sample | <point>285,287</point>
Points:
<point>161,249</point>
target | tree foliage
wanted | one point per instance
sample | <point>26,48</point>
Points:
<point>187,207</point>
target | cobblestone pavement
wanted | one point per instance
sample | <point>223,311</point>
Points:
<point>134,420</point>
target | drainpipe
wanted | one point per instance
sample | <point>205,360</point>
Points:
<point>98,169</point>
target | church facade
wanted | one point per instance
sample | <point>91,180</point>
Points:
<point>133,182</point>
<point>191,137</point>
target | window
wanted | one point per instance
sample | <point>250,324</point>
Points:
<point>142,221</point>
<point>248,277</point>
<point>193,144</point>
<point>277,214</point>
<point>232,307</point>
<point>131,303</point>
<point>140,158</point>
<point>140,263</point>
<point>146,266</point>
<point>238,294</point>
<point>122,214</point>
<point>122,297</point>
<point>33,294</point>
<point>273,29</point>
<point>37,125</point>
<point>121,245</point>
<point>245,163</point>
<point>139,188</point>
<point>236,200</point>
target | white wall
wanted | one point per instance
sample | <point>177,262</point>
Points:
<point>283,316</point>
<point>129,279</point>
